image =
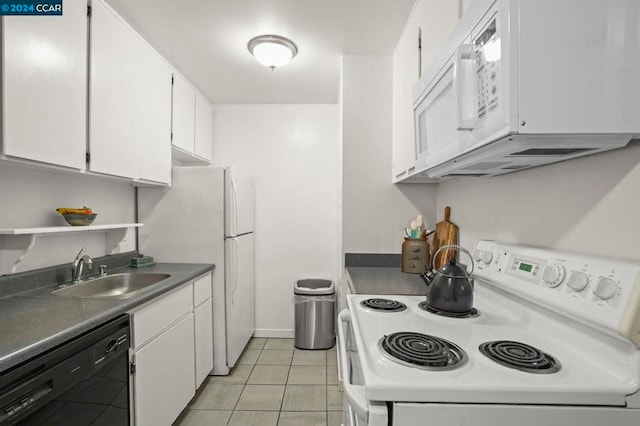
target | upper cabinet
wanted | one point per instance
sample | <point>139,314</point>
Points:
<point>44,87</point>
<point>191,126</point>
<point>184,111</point>
<point>429,24</point>
<point>84,92</point>
<point>204,128</point>
<point>129,102</point>
<point>154,126</point>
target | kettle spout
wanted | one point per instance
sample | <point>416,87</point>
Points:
<point>427,277</point>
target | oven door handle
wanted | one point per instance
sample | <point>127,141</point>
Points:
<point>355,394</point>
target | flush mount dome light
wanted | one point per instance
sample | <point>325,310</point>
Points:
<point>272,51</point>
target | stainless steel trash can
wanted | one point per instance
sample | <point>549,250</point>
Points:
<point>315,305</point>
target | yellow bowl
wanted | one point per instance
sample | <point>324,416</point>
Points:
<point>79,219</point>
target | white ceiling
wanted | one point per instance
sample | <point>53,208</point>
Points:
<point>206,41</point>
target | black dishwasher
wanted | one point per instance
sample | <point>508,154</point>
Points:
<point>84,381</point>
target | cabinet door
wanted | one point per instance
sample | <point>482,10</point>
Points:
<point>203,128</point>
<point>44,86</point>
<point>203,319</point>
<point>434,20</point>
<point>113,134</point>
<point>163,383</point>
<point>183,118</point>
<point>153,115</point>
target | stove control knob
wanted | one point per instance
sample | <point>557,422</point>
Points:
<point>477,254</point>
<point>606,289</point>
<point>552,275</point>
<point>486,257</point>
<point>578,281</point>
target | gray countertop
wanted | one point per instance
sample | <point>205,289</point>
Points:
<point>374,280</point>
<point>34,321</point>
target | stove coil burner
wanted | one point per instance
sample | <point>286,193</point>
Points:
<point>385,305</point>
<point>520,356</point>
<point>422,351</point>
<point>424,305</point>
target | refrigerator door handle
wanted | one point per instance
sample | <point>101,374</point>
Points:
<point>234,268</point>
<point>234,206</point>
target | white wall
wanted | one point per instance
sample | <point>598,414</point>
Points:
<point>29,198</point>
<point>375,211</point>
<point>589,205</point>
<point>293,152</point>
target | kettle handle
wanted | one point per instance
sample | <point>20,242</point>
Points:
<point>454,247</point>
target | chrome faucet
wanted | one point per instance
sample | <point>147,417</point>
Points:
<point>80,260</point>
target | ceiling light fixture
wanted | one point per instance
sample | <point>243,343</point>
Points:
<point>272,51</point>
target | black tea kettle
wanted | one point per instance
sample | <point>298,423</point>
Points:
<point>450,288</point>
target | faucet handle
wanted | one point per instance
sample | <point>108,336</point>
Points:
<point>103,270</point>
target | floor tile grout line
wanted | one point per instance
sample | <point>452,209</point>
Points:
<point>252,370</point>
<point>244,386</point>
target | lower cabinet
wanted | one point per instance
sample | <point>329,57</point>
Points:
<point>172,352</point>
<point>163,379</point>
<point>203,320</point>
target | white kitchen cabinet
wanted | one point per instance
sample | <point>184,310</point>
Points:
<point>130,102</point>
<point>203,128</point>
<point>434,20</point>
<point>172,351</point>
<point>153,116</point>
<point>183,118</point>
<point>164,357</point>
<point>192,123</point>
<point>203,320</point>
<point>112,144</point>
<point>163,379</point>
<point>44,87</point>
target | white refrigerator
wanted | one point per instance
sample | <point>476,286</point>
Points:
<point>207,216</point>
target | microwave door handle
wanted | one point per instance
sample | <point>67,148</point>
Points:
<point>464,52</point>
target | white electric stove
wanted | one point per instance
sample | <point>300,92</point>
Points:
<point>553,342</point>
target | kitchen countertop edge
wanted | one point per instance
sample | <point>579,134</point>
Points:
<point>383,280</point>
<point>90,313</point>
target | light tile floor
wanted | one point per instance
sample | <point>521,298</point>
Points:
<point>273,384</point>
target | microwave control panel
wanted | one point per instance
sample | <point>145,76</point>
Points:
<point>487,60</point>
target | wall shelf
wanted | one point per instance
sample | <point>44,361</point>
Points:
<point>15,243</point>
<point>43,230</point>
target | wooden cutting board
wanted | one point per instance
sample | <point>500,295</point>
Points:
<point>446,234</point>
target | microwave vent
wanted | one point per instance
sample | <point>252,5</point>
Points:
<point>551,151</point>
<point>486,165</point>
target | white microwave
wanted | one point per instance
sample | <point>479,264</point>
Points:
<point>522,83</point>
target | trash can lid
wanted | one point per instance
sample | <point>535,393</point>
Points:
<point>314,286</point>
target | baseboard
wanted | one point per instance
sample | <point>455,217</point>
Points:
<point>278,333</point>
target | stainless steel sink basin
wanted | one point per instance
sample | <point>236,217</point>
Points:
<point>116,286</point>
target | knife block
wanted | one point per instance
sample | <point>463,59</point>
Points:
<point>415,255</point>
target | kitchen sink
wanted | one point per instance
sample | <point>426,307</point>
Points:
<point>116,286</point>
